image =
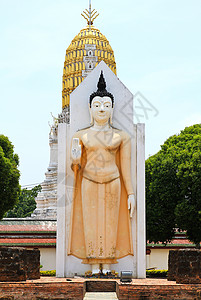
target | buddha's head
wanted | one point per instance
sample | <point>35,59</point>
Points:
<point>101,103</point>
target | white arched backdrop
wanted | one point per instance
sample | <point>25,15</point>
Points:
<point>67,266</point>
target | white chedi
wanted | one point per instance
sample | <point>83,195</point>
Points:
<point>47,199</point>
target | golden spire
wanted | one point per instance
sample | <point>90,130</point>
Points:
<point>90,15</point>
<point>87,49</point>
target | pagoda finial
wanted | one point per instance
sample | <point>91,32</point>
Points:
<point>90,15</point>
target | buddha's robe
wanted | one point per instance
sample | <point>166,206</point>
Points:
<point>100,223</point>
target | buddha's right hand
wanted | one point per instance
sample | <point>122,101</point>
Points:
<point>76,151</point>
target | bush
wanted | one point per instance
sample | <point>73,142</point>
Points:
<point>48,273</point>
<point>150,273</point>
<point>157,273</point>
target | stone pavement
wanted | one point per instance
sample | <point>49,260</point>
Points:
<point>103,296</point>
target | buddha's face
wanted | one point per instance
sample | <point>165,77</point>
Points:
<point>101,109</point>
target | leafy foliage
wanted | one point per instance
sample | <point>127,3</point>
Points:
<point>9,176</point>
<point>157,273</point>
<point>48,273</point>
<point>26,203</point>
<point>173,187</point>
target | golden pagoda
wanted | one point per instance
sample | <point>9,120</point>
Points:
<point>86,50</point>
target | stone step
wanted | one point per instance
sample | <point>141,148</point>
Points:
<point>103,296</point>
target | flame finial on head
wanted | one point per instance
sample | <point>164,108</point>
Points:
<point>101,91</point>
<point>101,83</point>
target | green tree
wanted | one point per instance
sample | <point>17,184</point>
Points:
<point>173,187</point>
<point>9,176</point>
<point>26,203</point>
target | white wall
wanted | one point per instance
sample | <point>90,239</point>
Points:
<point>48,258</point>
<point>158,259</point>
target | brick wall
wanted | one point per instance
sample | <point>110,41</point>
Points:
<point>100,286</point>
<point>18,264</point>
<point>139,292</point>
<point>45,291</point>
<point>75,291</point>
<point>184,266</point>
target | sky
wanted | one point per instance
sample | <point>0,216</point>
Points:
<point>157,48</point>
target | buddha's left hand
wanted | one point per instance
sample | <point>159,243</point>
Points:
<point>131,204</point>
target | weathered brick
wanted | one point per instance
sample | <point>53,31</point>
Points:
<point>100,286</point>
<point>184,266</point>
<point>19,264</point>
<point>45,291</point>
<point>54,290</point>
<point>159,292</point>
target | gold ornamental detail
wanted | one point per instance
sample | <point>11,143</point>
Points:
<point>87,49</point>
<point>90,15</point>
